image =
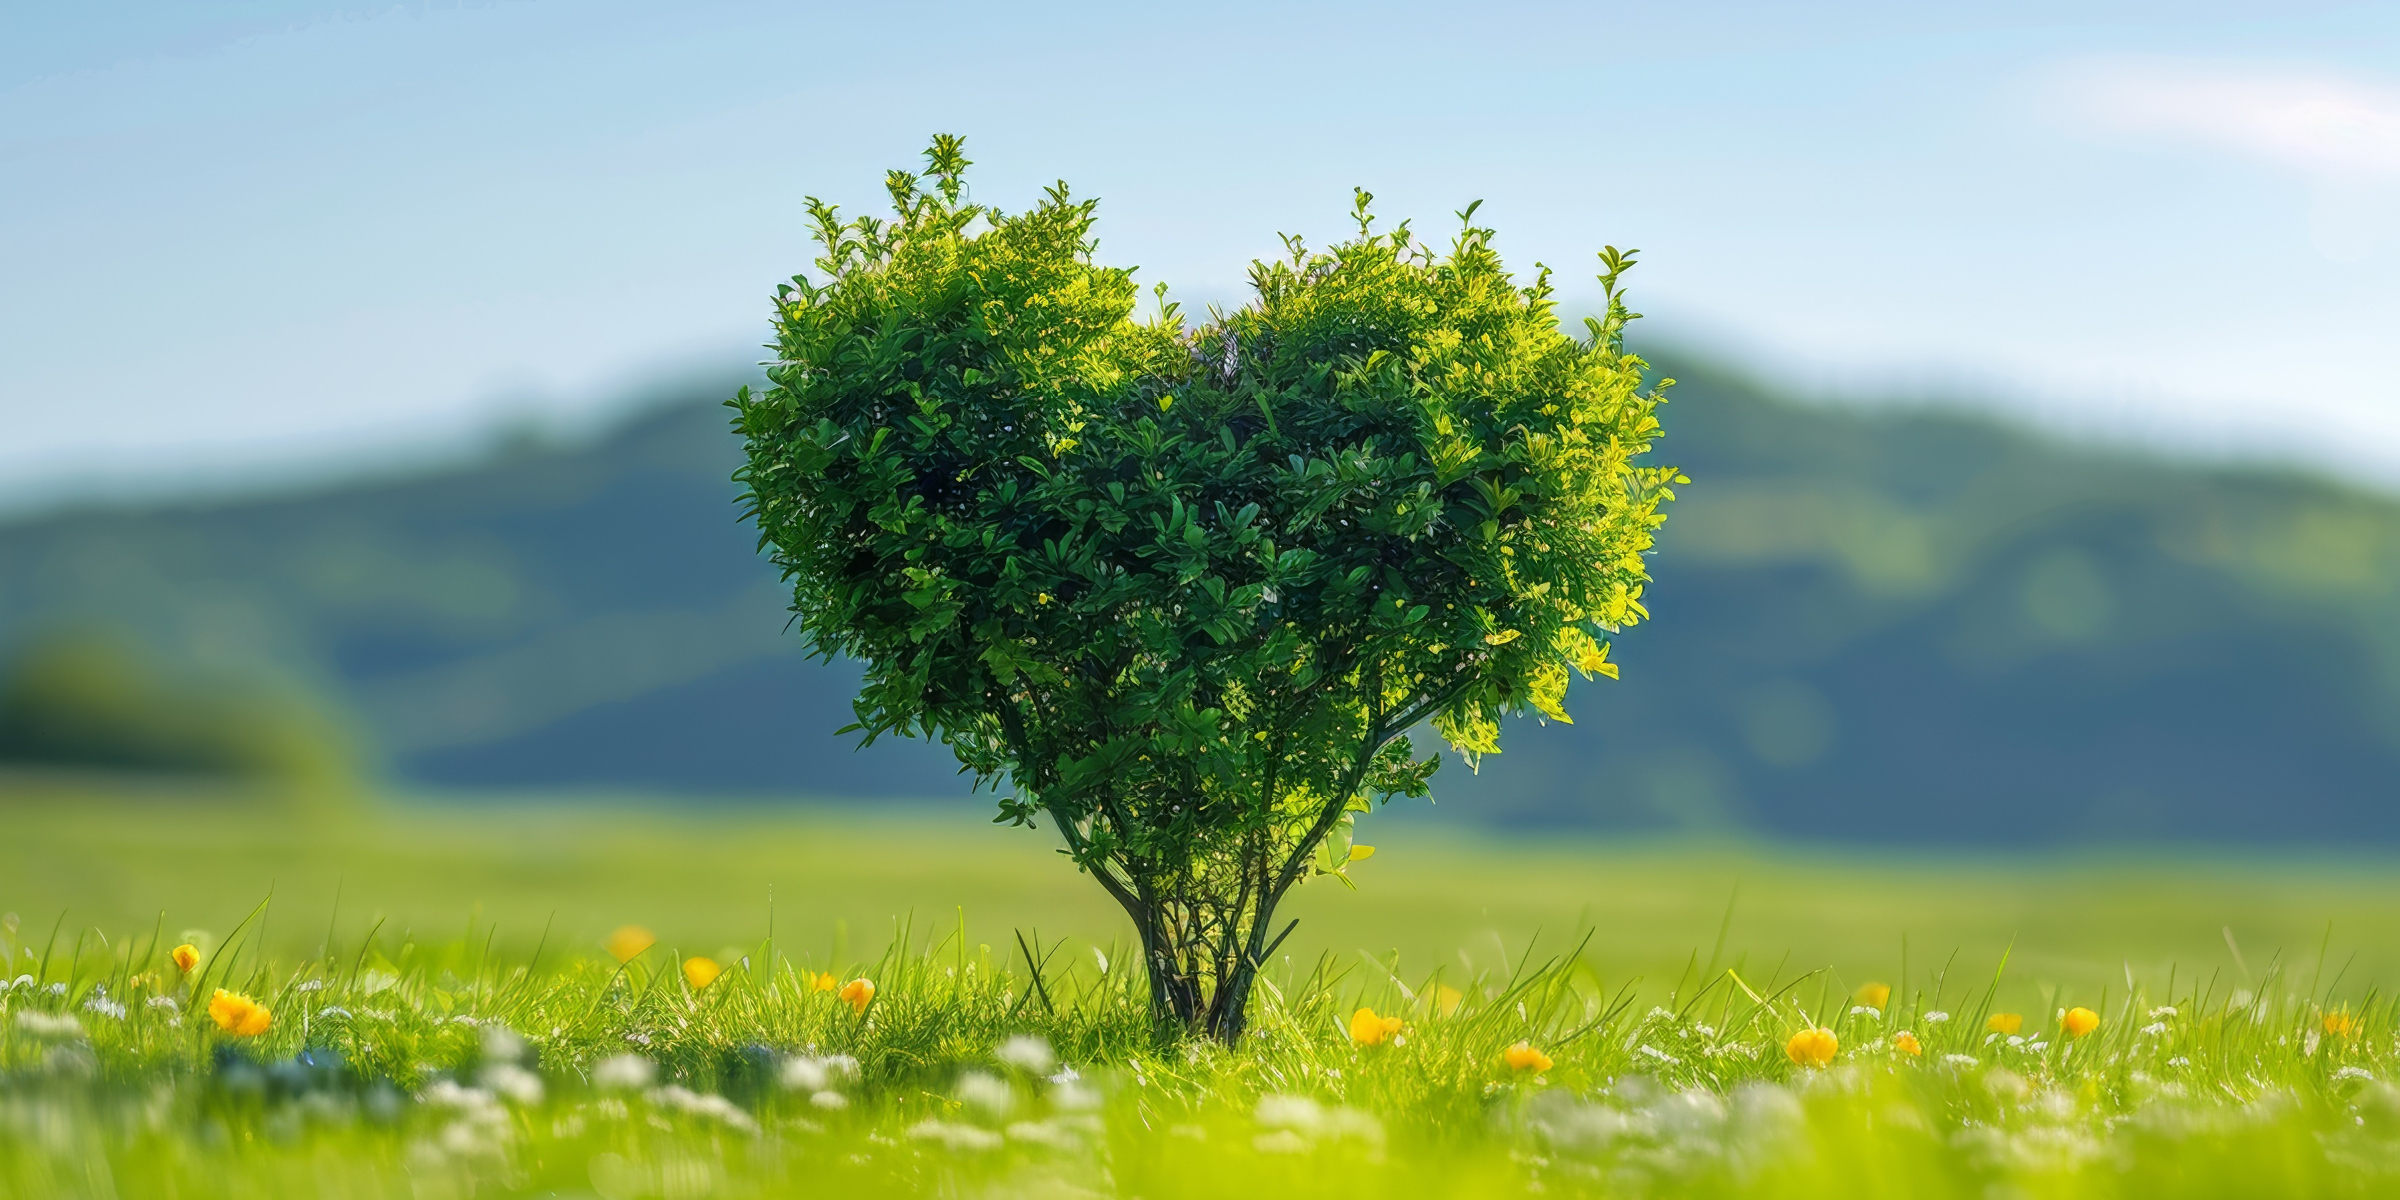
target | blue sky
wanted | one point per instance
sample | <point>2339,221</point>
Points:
<point>243,240</point>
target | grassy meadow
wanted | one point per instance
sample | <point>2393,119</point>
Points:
<point>446,1019</point>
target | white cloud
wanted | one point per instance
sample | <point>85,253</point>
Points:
<point>2311,120</point>
<point>2339,133</point>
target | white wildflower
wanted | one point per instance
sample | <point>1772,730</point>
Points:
<point>2354,1073</point>
<point>2163,1010</point>
<point>980,1091</point>
<point>47,1025</point>
<point>704,1104</point>
<point>501,1044</point>
<point>954,1135</point>
<point>1044,1133</point>
<point>830,1100</point>
<point>2179,1061</point>
<point>165,1002</point>
<point>1290,1112</point>
<point>809,1073</point>
<point>521,1086</point>
<point>1868,1011</point>
<point>1936,1017</point>
<point>1660,1055</point>
<point>104,1006</point>
<point>804,1074</point>
<point>1028,1054</point>
<point>623,1073</point>
<point>309,985</point>
<point>1960,1060</point>
<point>472,1101</point>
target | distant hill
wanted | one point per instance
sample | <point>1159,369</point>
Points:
<point>1926,626</point>
<point>1905,626</point>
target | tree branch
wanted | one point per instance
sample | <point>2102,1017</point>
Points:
<point>1334,805</point>
<point>1099,868</point>
<point>1379,735</point>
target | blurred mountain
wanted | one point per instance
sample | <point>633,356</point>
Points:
<point>1926,626</point>
<point>1911,626</point>
<point>553,614</point>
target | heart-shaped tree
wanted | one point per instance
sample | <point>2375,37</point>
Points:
<point>1186,590</point>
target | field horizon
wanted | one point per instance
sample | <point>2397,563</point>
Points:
<point>89,856</point>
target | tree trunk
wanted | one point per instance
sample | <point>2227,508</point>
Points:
<point>1174,995</point>
<point>1185,1003</point>
<point>1229,1009</point>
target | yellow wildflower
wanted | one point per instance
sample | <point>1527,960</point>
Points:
<point>1446,1000</point>
<point>1367,1029</point>
<point>238,1014</point>
<point>701,972</point>
<point>1873,995</point>
<point>2342,1023</point>
<point>186,957</point>
<point>2007,1023</point>
<point>2079,1021</point>
<point>1906,1043</point>
<point>628,942</point>
<point>1595,662</point>
<point>821,981</point>
<point>1523,1057</point>
<point>1812,1047</point>
<point>858,994</point>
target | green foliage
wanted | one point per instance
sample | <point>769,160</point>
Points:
<point>1187,589</point>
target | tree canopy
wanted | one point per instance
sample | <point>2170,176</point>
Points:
<point>1184,589</point>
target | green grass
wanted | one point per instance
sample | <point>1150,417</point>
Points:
<point>386,1071</point>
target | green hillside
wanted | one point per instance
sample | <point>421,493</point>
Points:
<point>1924,626</point>
<point>1872,624</point>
